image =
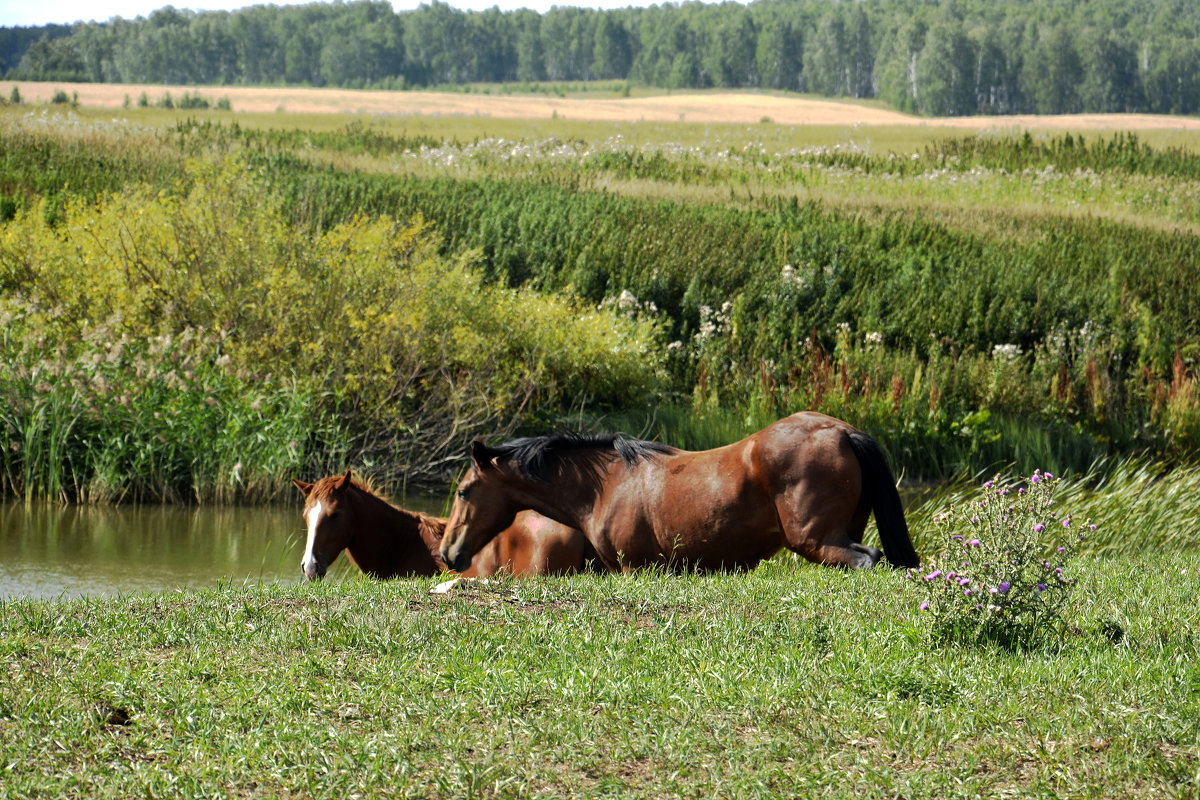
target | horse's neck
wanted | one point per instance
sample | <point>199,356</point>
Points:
<point>567,497</point>
<point>393,541</point>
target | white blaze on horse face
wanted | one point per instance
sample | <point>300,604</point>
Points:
<point>309,562</point>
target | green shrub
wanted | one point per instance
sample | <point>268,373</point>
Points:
<point>160,419</point>
<point>189,100</point>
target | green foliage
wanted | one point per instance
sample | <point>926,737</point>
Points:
<point>39,158</point>
<point>1002,577</point>
<point>407,349</point>
<point>789,278</point>
<point>159,419</point>
<point>192,101</point>
<point>1042,340</point>
<point>9,207</point>
<point>1145,506</point>
<point>354,138</point>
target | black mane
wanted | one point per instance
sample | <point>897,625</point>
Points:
<point>529,454</point>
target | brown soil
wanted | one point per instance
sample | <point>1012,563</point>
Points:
<point>698,107</point>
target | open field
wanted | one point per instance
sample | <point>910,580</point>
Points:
<point>791,680</point>
<point>703,107</point>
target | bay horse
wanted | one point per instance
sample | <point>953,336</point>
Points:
<point>386,542</point>
<point>807,482</point>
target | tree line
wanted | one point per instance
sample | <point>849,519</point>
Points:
<point>934,57</point>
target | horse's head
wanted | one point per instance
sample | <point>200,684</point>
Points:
<point>483,507</point>
<point>329,530</point>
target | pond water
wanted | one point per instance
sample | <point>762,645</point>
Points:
<point>69,551</point>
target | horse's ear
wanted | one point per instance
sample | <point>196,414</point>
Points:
<point>304,488</point>
<point>345,481</point>
<point>480,455</point>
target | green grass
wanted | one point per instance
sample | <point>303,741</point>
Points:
<point>787,681</point>
<point>1142,507</point>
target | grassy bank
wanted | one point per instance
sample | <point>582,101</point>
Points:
<point>790,680</point>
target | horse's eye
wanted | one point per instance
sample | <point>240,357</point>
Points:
<point>334,514</point>
<point>462,494</point>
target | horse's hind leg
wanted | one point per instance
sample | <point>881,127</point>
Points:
<point>826,527</point>
<point>858,525</point>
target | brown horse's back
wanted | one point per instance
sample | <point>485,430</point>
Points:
<point>809,482</point>
<point>797,483</point>
<point>533,545</point>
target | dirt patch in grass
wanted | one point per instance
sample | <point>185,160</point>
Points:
<point>702,107</point>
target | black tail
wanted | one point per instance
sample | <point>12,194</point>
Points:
<point>879,487</point>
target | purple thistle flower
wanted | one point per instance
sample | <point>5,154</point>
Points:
<point>988,485</point>
<point>937,573</point>
<point>1049,477</point>
<point>924,605</point>
<point>1061,549</point>
<point>1038,527</point>
<point>974,543</point>
<point>1004,587</point>
<point>1067,522</point>
<point>1091,527</point>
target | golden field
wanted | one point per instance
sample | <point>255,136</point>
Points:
<point>695,107</point>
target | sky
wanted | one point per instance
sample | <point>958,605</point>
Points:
<point>44,12</point>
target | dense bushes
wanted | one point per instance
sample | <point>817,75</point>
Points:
<point>395,347</point>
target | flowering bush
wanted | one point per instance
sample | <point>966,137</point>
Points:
<point>1004,575</point>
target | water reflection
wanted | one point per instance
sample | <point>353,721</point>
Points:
<point>50,551</point>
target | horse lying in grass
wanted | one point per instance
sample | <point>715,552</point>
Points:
<point>807,482</point>
<point>387,542</point>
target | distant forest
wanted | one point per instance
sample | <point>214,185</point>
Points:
<point>947,57</point>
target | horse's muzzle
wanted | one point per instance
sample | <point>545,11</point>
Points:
<point>453,557</point>
<point>313,570</point>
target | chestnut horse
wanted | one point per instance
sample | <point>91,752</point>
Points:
<point>807,482</point>
<point>387,542</point>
